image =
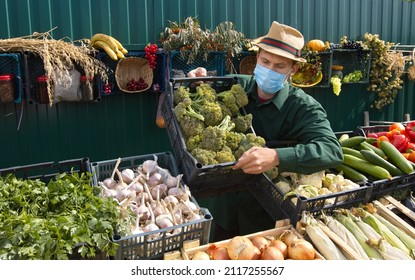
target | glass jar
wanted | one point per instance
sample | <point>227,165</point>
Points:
<point>86,89</point>
<point>6,88</point>
<point>42,89</point>
<point>337,70</point>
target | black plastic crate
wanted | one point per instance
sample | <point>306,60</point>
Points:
<point>365,130</point>
<point>103,169</point>
<point>11,63</point>
<point>143,246</point>
<point>272,199</point>
<point>352,60</point>
<point>200,178</point>
<point>159,79</point>
<point>215,63</point>
<point>398,187</point>
<point>48,170</point>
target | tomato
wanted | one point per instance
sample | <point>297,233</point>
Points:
<point>393,132</point>
<point>398,126</point>
<point>406,155</point>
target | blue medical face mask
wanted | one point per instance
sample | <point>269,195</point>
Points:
<point>268,80</point>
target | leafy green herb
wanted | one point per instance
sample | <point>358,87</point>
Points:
<point>55,220</point>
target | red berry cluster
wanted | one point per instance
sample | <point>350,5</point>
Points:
<point>150,51</point>
<point>134,85</point>
<point>108,88</point>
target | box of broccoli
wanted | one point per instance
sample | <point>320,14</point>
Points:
<point>209,130</point>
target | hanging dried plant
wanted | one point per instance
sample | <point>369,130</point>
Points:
<point>58,56</point>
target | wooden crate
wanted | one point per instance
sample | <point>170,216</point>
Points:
<point>388,207</point>
<point>189,249</point>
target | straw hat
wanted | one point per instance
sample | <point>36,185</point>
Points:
<point>282,40</point>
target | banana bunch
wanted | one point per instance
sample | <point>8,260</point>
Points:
<point>109,44</point>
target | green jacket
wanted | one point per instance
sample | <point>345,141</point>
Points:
<point>293,115</point>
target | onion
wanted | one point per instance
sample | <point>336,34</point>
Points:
<point>240,248</point>
<point>288,236</point>
<point>200,255</point>
<point>272,253</point>
<point>277,243</point>
<point>301,249</point>
<point>260,242</point>
<point>220,253</point>
<point>257,254</point>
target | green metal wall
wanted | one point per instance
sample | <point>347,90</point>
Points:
<point>124,124</point>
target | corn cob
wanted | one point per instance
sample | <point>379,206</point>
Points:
<point>405,238</point>
<point>323,243</point>
<point>347,221</point>
<point>389,252</point>
<point>383,230</point>
<point>347,236</point>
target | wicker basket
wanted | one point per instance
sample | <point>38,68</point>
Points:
<point>133,68</point>
<point>247,65</point>
<point>411,72</point>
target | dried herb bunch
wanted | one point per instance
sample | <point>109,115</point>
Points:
<point>193,41</point>
<point>385,71</point>
<point>58,56</point>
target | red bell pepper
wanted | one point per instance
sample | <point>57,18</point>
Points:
<point>399,141</point>
<point>410,147</point>
<point>410,131</point>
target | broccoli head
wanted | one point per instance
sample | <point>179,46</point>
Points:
<point>234,99</point>
<point>233,139</point>
<point>184,108</point>
<point>214,137</point>
<point>248,141</point>
<point>204,92</point>
<point>240,95</point>
<point>205,157</point>
<point>225,155</point>
<point>193,142</point>
<point>191,126</point>
<point>211,111</point>
<point>180,94</point>
<point>242,122</point>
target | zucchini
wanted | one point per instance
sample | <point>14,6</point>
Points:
<point>367,146</point>
<point>396,157</point>
<point>352,141</point>
<point>351,173</point>
<point>374,158</point>
<point>371,140</point>
<point>366,167</point>
<point>353,152</point>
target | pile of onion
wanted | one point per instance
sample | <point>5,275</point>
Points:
<point>286,246</point>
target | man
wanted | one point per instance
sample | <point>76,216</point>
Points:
<point>280,112</point>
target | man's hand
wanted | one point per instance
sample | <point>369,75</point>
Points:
<point>257,160</point>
